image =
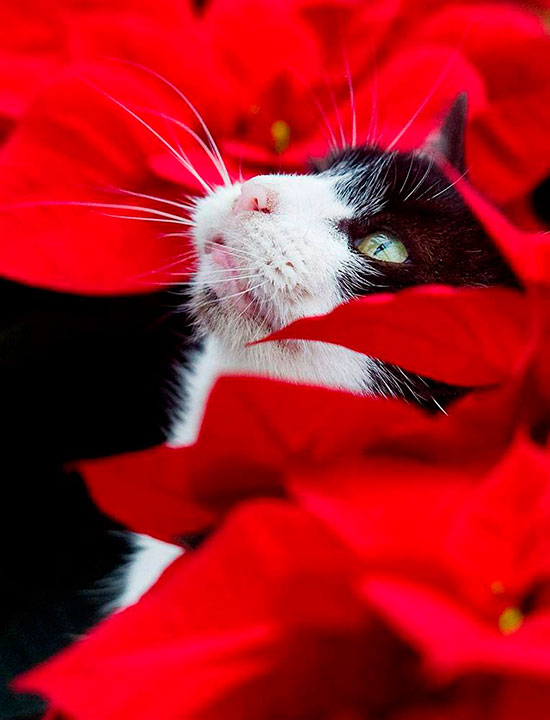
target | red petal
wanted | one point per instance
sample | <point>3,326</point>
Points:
<point>462,337</point>
<point>502,532</point>
<point>246,627</point>
<point>74,144</point>
<point>453,641</point>
<point>416,88</point>
<point>278,428</point>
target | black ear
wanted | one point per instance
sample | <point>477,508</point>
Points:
<point>448,141</point>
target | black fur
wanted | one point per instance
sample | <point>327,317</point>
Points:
<point>408,195</point>
<point>446,243</point>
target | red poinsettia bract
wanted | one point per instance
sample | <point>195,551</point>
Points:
<point>362,599</point>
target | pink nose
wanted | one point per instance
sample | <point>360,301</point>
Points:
<point>254,197</point>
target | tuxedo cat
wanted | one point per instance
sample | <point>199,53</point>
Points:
<point>280,247</point>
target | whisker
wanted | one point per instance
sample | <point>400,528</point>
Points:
<point>167,217</point>
<point>221,280</point>
<point>168,283</point>
<point>332,137</point>
<point>163,268</point>
<point>164,201</point>
<point>243,311</point>
<point>189,105</point>
<point>180,157</point>
<point>153,211</point>
<point>447,188</point>
<point>217,271</point>
<point>234,295</point>
<point>143,219</point>
<point>419,184</point>
<point>351,97</point>
<point>373,133</point>
<point>337,113</point>
<point>243,253</point>
<point>407,175</point>
<point>184,234</point>
<point>222,170</point>
<point>432,92</point>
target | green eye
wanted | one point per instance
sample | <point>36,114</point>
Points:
<point>382,246</point>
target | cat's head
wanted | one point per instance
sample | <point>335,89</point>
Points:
<point>279,247</point>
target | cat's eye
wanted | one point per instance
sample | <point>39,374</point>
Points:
<point>381,245</point>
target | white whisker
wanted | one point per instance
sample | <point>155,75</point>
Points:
<point>336,110</point>
<point>164,201</point>
<point>331,136</point>
<point>182,159</point>
<point>222,280</point>
<point>184,234</point>
<point>432,92</point>
<point>143,219</point>
<point>189,104</point>
<point>222,170</point>
<point>351,94</point>
<point>407,175</point>
<point>234,295</point>
<point>419,184</point>
<point>167,217</point>
<point>447,188</point>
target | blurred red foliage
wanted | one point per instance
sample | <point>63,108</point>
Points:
<point>271,80</point>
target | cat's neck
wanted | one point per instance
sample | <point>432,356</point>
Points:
<point>312,363</point>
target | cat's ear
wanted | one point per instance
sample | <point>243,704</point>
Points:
<point>448,141</point>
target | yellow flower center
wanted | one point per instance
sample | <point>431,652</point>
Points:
<point>510,620</point>
<point>280,132</point>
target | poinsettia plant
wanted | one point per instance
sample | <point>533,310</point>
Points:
<point>364,559</point>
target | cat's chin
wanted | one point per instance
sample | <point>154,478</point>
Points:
<point>233,323</point>
<point>245,306</point>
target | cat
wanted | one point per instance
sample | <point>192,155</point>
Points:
<point>279,247</point>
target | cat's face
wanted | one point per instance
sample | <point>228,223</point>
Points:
<point>280,247</point>
<point>271,250</point>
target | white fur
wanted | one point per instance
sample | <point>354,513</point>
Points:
<point>152,557</point>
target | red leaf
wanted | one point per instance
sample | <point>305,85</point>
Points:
<point>501,533</point>
<point>470,337</point>
<point>74,146</point>
<point>452,640</point>
<point>246,627</point>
